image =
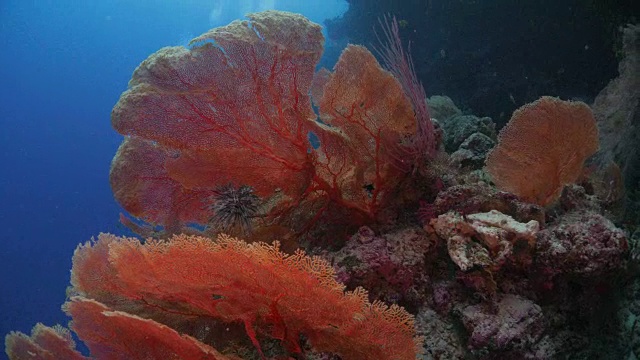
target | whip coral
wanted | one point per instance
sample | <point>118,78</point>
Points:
<point>401,66</point>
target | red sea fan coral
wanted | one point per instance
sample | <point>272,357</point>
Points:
<point>235,108</point>
<point>369,115</point>
<point>117,335</point>
<point>109,334</point>
<point>276,295</point>
<point>45,343</point>
<point>143,186</point>
<point>232,109</point>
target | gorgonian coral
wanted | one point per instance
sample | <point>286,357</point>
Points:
<point>542,148</point>
<point>144,301</point>
<point>234,107</point>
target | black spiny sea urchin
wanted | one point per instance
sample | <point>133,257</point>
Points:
<point>233,208</point>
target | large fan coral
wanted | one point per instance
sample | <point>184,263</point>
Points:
<point>235,108</point>
<point>543,148</point>
<point>132,293</point>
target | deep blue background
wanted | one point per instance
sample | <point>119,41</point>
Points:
<point>63,65</point>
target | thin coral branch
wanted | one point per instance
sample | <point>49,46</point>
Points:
<point>400,64</point>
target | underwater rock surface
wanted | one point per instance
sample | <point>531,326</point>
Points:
<point>617,110</point>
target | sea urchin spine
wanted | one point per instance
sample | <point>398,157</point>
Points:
<point>233,208</point>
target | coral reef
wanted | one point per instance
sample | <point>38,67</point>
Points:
<point>390,266</point>
<point>499,239</point>
<point>518,322</point>
<point>480,197</point>
<point>396,243</point>
<point>442,340</point>
<point>459,128</point>
<point>442,107</point>
<point>473,151</point>
<point>581,243</point>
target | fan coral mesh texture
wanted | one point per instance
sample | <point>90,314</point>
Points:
<point>141,183</point>
<point>45,343</point>
<point>133,337</point>
<point>276,295</point>
<point>542,148</point>
<point>230,109</point>
<point>235,108</point>
<point>370,115</point>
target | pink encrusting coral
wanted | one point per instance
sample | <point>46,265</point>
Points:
<point>516,320</point>
<point>390,266</point>
<point>582,243</point>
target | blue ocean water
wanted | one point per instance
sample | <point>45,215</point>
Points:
<point>63,65</point>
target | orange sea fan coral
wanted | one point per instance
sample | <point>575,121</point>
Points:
<point>368,107</point>
<point>233,108</point>
<point>276,295</point>
<point>542,148</point>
